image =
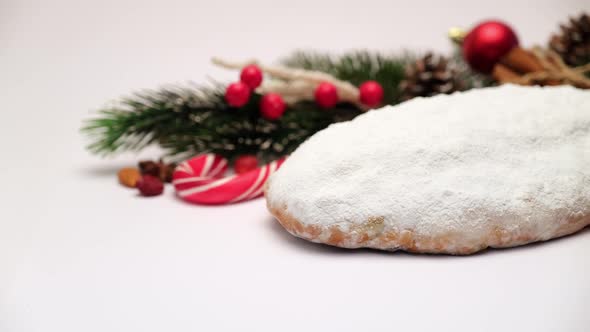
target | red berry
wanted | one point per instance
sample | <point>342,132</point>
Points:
<point>326,95</point>
<point>252,76</point>
<point>237,94</point>
<point>272,106</point>
<point>245,163</point>
<point>371,93</point>
<point>150,185</point>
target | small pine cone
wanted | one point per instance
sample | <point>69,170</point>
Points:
<point>573,41</point>
<point>429,76</point>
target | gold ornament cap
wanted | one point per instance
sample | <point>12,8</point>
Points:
<point>456,35</point>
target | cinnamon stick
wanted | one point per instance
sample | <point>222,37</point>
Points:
<point>503,74</point>
<point>521,60</point>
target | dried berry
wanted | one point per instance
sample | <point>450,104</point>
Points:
<point>149,167</point>
<point>168,171</point>
<point>158,169</point>
<point>150,186</point>
<point>129,176</point>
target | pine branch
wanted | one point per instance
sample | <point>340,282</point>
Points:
<point>357,67</point>
<point>147,117</point>
<point>188,121</point>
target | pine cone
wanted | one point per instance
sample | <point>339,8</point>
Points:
<point>573,43</point>
<point>429,76</point>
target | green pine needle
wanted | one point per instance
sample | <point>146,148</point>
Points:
<point>357,67</point>
<point>187,121</point>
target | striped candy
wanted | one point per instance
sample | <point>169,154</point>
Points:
<point>200,180</point>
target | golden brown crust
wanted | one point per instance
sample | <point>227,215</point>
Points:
<point>374,234</point>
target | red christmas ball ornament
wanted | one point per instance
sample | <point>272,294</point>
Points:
<point>371,93</point>
<point>237,94</point>
<point>326,95</point>
<point>272,106</point>
<point>487,43</point>
<point>251,75</point>
<point>245,163</point>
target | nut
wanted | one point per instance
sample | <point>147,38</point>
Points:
<point>129,176</point>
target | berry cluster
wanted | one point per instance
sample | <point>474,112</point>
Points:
<point>272,105</point>
<point>370,94</point>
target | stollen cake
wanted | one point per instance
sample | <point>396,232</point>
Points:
<point>495,167</point>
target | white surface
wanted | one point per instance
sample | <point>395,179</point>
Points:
<point>80,253</point>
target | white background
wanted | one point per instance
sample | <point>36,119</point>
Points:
<point>80,253</point>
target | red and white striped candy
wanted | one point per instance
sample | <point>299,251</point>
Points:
<point>200,180</point>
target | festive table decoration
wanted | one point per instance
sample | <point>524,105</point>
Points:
<point>326,95</point>
<point>251,75</point>
<point>493,47</point>
<point>200,180</point>
<point>573,43</point>
<point>272,108</point>
<point>539,67</point>
<point>429,76</point>
<point>487,43</point>
<point>237,94</point>
<point>371,93</point>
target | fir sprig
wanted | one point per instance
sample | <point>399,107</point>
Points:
<point>190,120</point>
<point>187,121</point>
<point>357,67</point>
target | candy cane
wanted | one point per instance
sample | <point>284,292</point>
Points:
<point>200,180</point>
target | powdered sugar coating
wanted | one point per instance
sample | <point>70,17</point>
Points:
<point>517,157</point>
